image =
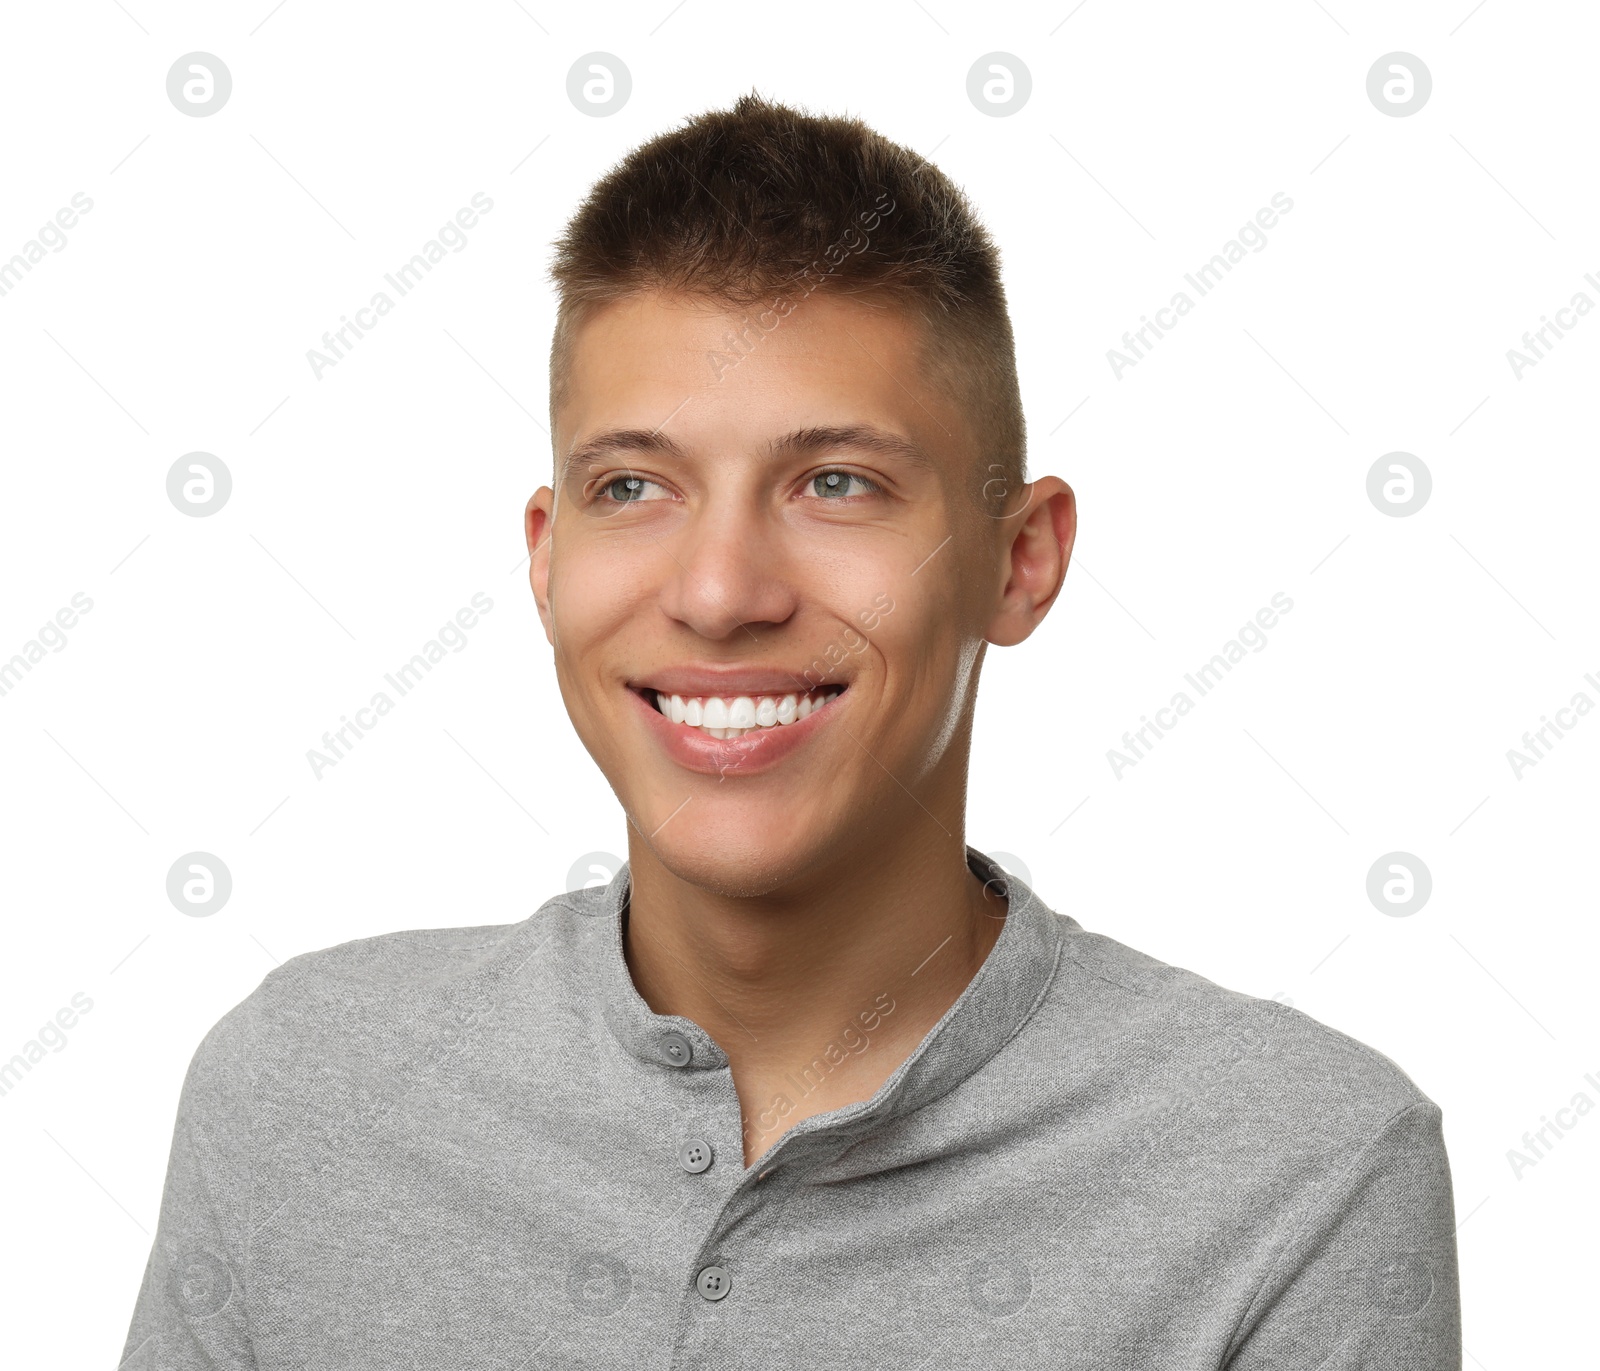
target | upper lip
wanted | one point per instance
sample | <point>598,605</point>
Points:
<point>732,681</point>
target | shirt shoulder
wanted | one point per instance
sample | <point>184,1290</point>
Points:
<point>409,957</point>
<point>1265,1068</point>
<point>370,996</point>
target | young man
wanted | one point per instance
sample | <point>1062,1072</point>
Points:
<point>811,1082</point>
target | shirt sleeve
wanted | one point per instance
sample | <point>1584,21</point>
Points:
<point>1366,1279</point>
<point>190,1310</point>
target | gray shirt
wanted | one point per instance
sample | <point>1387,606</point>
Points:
<point>480,1148</point>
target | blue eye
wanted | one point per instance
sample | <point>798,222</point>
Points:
<point>835,484</point>
<point>625,490</point>
<point>829,485</point>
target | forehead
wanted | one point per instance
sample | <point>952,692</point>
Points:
<point>717,376</point>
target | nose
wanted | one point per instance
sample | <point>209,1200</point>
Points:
<point>727,571</point>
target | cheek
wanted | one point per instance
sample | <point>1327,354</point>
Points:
<point>920,643</point>
<point>593,589</point>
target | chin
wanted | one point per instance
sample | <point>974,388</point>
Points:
<point>732,855</point>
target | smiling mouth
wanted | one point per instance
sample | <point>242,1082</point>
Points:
<point>732,716</point>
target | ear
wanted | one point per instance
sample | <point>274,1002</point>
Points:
<point>538,520</point>
<point>1034,560</point>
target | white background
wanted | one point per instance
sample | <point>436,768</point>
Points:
<point>369,505</point>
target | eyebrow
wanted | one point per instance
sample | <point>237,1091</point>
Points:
<point>618,442</point>
<point>798,443</point>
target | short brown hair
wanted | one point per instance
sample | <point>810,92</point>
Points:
<point>763,202</point>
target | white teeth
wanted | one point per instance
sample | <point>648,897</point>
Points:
<point>743,714</point>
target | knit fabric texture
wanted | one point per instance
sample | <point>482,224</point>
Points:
<point>480,1148</point>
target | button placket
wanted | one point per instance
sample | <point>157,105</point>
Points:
<point>696,1153</point>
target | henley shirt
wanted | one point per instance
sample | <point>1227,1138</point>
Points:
<point>480,1148</point>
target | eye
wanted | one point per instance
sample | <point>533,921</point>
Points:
<point>836,484</point>
<point>624,490</point>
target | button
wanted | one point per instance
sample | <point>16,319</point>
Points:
<point>713,1282</point>
<point>695,1155</point>
<point>675,1049</point>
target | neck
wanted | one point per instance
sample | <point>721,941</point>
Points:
<point>818,987</point>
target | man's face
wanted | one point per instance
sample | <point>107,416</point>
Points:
<point>750,523</point>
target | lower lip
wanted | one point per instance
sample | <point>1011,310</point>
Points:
<point>696,750</point>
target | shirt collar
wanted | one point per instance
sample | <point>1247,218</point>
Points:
<point>989,1012</point>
